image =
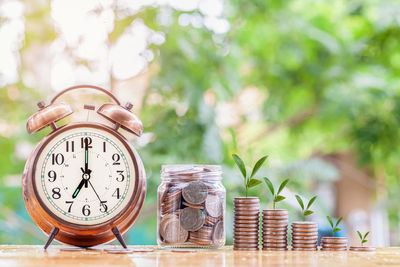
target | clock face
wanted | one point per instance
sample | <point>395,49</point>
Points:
<point>85,175</point>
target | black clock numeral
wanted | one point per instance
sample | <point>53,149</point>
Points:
<point>70,205</point>
<point>116,157</point>
<point>121,176</point>
<point>103,206</point>
<point>57,159</point>
<point>104,147</point>
<point>116,193</point>
<point>56,193</point>
<point>52,176</point>
<point>86,210</point>
<point>70,146</point>
<point>89,140</point>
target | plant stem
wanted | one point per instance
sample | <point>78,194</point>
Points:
<point>273,205</point>
<point>245,186</point>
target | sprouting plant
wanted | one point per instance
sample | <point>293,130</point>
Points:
<point>334,226</point>
<point>363,240</point>
<point>276,197</point>
<point>249,181</point>
<point>305,210</point>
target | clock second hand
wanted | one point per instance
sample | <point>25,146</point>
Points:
<point>101,202</point>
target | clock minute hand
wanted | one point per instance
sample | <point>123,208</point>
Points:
<point>87,170</point>
<point>86,155</point>
<point>86,159</point>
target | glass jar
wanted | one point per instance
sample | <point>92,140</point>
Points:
<point>191,207</point>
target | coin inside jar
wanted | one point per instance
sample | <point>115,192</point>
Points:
<point>174,232</point>
<point>195,192</point>
<point>218,231</point>
<point>192,219</point>
<point>213,206</point>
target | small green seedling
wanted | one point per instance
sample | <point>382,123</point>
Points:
<point>249,181</point>
<point>305,210</point>
<point>334,226</point>
<point>276,197</point>
<point>363,240</point>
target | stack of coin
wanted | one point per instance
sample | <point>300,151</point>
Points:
<point>171,200</point>
<point>274,229</point>
<point>334,243</point>
<point>191,212</point>
<point>246,223</point>
<point>304,235</point>
<point>203,236</point>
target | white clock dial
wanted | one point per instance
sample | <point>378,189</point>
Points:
<point>85,176</point>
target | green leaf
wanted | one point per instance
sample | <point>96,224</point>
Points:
<point>364,241</point>
<point>300,201</point>
<point>283,184</point>
<point>330,221</point>
<point>240,164</point>
<point>253,182</point>
<point>270,185</point>
<point>311,202</point>
<point>337,223</point>
<point>279,198</point>
<point>257,166</point>
<point>336,230</point>
<point>360,235</point>
<point>366,235</point>
<point>308,212</point>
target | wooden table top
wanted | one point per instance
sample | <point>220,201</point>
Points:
<point>56,256</point>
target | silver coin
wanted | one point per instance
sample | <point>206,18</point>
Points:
<point>174,232</point>
<point>72,249</point>
<point>119,251</point>
<point>213,206</point>
<point>142,250</point>
<point>219,231</point>
<point>192,219</point>
<point>195,192</point>
<point>182,250</point>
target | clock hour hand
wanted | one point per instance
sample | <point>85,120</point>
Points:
<point>78,189</point>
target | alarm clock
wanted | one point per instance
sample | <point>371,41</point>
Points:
<point>84,184</point>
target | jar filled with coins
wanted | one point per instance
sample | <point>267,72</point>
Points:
<point>191,207</point>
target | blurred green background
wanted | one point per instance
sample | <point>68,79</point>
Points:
<point>313,84</point>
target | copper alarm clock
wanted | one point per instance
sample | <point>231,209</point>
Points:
<point>84,184</point>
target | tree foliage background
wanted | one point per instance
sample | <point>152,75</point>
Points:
<point>283,78</point>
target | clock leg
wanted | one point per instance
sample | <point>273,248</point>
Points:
<point>52,235</point>
<point>118,235</point>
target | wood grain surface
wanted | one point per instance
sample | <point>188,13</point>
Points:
<point>55,256</point>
